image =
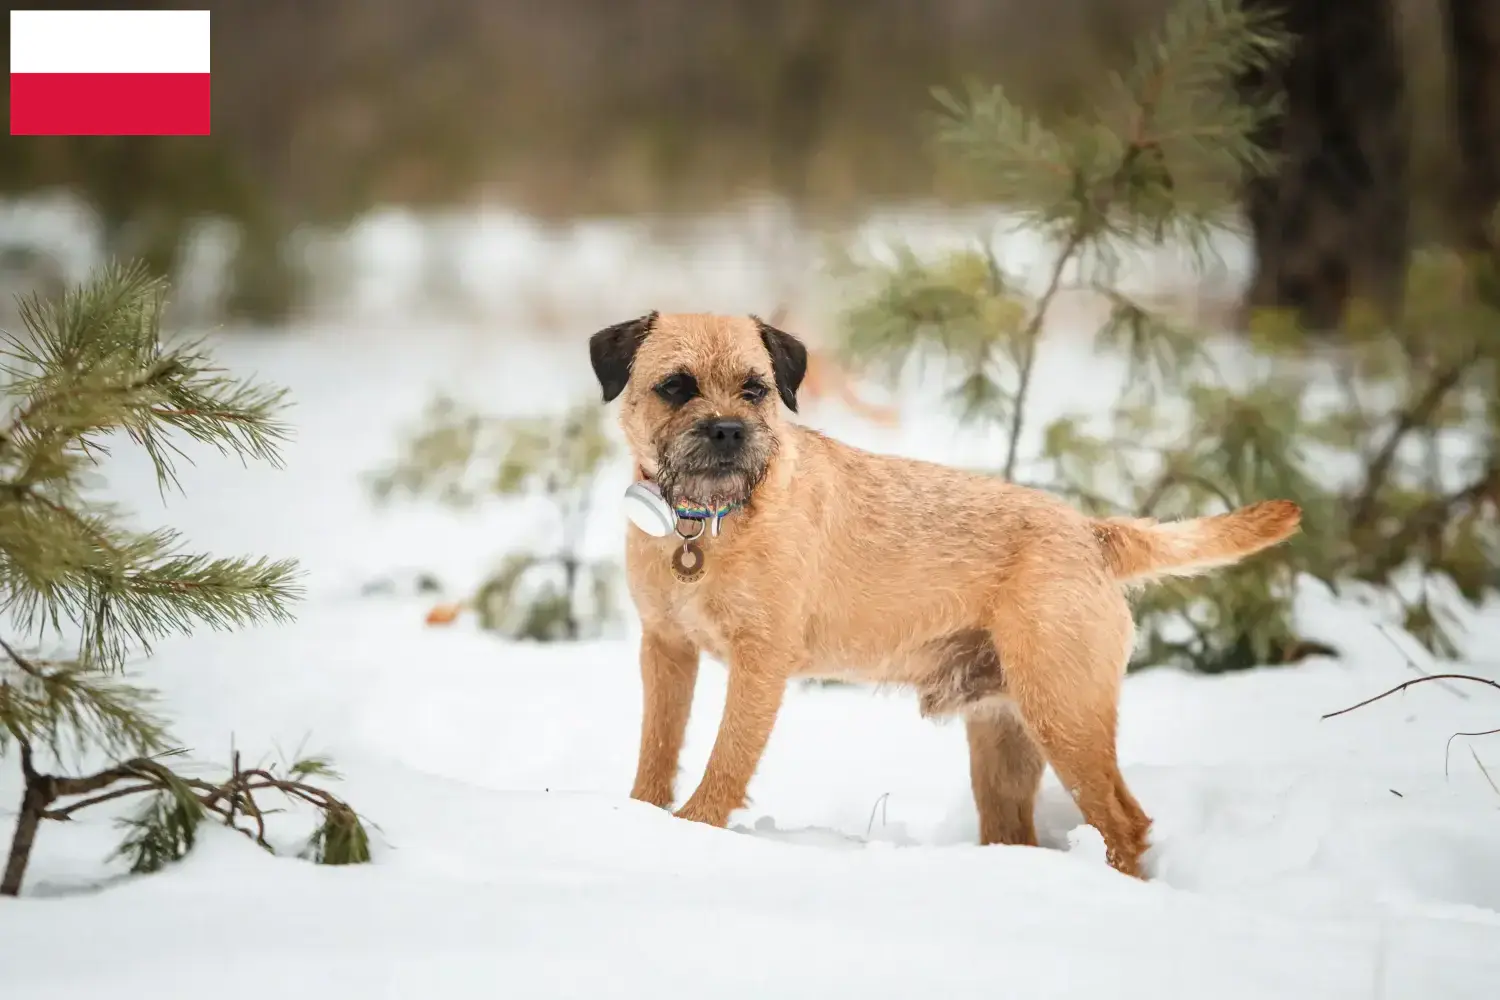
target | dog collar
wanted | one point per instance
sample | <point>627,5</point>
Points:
<point>691,510</point>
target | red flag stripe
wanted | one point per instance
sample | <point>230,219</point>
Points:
<point>109,104</point>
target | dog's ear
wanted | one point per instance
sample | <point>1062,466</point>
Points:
<point>612,350</point>
<point>788,360</point>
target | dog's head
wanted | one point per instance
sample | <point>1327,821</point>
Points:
<point>700,398</point>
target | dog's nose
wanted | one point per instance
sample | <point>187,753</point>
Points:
<point>724,434</point>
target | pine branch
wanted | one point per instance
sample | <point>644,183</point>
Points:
<point>165,829</point>
<point>1029,338</point>
<point>90,364</point>
<point>1414,416</point>
<point>52,702</point>
<point>1431,518</point>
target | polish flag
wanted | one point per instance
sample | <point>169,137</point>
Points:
<point>109,72</point>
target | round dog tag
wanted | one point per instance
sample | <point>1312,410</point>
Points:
<point>687,563</point>
<point>648,511</point>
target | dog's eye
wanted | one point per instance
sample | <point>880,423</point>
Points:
<point>754,390</point>
<point>677,389</point>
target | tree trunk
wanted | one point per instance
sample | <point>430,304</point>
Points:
<point>40,793</point>
<point>1332,225</point>
<point>1473,35</point>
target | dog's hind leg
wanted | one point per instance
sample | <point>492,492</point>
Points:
<point>1064,644</point>
<point>961,674</point>
<point>1005,769</point>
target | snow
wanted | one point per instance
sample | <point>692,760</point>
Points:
<point>1293,858</point>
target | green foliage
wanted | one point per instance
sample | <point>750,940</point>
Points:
<point>1357,436</point>
<point>341,839</point>
<point>165,827</point>
<point>1160,161</point>
<point>1161,154</point>
<point>459,457</point>
<point>163,830</point>
<point>67,706</point>
<point>91,368</point>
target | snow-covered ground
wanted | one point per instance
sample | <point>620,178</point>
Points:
<point>1293,858</point>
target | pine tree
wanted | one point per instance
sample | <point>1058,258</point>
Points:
<point>458,457</point>
<point>1355,434</point>
<point>1160,162</point>
<point>90,369</point>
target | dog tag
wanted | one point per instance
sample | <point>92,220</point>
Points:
<point>687,563</point>
<point>648,511</point>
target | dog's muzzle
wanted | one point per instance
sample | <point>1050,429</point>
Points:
<point>724,439</point>
<point>716,459</point>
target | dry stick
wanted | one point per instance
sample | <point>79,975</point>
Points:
<point>1412,683</point>
<point>1448,746</point>
<point>234,772</point>
<point>1412,665</point>
<point>251,806</point>
<point>1482,769</point>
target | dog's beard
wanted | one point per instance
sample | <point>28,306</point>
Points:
<point>687,471</point>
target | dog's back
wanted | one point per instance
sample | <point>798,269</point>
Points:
<point>930,548</point>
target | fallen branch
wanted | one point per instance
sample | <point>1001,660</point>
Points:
<point>340,838</point>
<point>1447,746</point>
<point>1414,681</point>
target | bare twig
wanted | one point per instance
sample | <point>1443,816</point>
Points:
<point>1412,664</point>
<point>1484,770</point>
<point>234,771</point>
<point>880,806</point>
<point>1412,683</point>
<point>1448,747</point>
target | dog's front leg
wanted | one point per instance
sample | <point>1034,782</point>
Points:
<point>669,670</point>
<point>757,682</point>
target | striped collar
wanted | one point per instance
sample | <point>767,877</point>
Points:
<point>692,510</point>
<point>689,510</point>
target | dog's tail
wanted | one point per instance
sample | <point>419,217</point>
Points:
<point>1144,549</point>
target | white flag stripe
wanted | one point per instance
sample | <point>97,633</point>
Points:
<point>109,41</point>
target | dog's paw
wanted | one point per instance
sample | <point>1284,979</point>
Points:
<point>697,812</point>
<point>661,798</point>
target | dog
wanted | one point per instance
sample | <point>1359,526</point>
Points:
<point>795,555</point>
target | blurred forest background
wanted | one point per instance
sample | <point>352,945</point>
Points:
<point>604,107</point>
<point>1373,183</point>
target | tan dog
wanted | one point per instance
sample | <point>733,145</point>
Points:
<point>995,602</point>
